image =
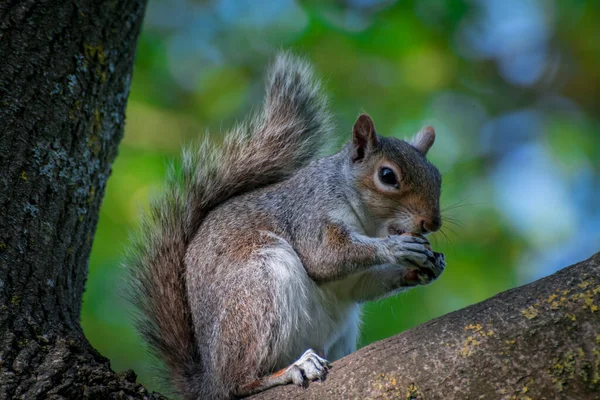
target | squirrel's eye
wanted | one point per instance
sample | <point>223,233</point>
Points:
<point>387,176</point>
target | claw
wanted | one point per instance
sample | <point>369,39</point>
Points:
<point>310,367</point>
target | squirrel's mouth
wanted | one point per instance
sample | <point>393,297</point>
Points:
<point>394,229</point>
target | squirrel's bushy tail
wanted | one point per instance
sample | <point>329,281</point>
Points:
<point>288,133</point>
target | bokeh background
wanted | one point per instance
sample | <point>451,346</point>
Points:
<point>512,88</point>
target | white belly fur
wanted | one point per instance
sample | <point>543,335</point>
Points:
<point>310,315</point>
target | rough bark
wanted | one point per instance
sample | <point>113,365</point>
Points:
<point>539,341</point>
<point>65,68</point>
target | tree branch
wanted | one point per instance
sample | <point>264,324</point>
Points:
<point>538,341</point>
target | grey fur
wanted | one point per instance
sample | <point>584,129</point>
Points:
<point>263,255</point>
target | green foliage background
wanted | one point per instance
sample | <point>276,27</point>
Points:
<point>510,86</point>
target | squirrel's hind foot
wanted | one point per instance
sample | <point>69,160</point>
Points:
<point>309,367</point>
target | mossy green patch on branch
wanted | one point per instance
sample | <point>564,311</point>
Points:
<point>530,312</point>
<point>468,344</point>
<point>595,381</point>
<point>520,392</point>
<point>478,336</point>
<point>413,392</point>
<point>586,295</point>
<point>387,387</point>
<point>576,364</point>
<point>473,327</point>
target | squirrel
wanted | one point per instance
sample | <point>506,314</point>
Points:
<point>252,265</point>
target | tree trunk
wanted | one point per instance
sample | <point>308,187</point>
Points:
<point>539,341</point>
<point>65,69</point>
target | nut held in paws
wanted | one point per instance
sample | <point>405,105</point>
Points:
<point>427,245</point>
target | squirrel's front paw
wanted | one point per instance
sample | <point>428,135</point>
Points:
<point>413,251</point>
<point>408,250</point>
<point>440,260</point>
<point>427,273</point>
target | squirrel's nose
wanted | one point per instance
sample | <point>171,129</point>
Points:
<point>431,225</point>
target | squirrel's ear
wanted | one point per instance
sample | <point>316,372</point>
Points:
<point>424,140</point>
<point>364,136</point>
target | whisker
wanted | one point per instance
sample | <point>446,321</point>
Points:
<point>459,202</point>
<point>459,205</point>
<point>448,240</point>
<point>453,221</point>
<point>435,241</point>
<point>451,230</point>
<point>449,218</point>
<point>449,208</point>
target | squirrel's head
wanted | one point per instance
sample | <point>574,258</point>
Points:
<point>399,187</point>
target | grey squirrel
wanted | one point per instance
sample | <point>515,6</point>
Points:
<point>250,269</point>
